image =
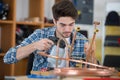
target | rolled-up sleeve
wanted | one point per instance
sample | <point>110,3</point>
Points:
<point>10,56</point>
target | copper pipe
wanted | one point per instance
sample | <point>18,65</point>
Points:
<point>66,43</point>
<point>96,30</point>
<point>69,46</point>
<point>66,52</point>
<point>73,39</point>
<point>79,61</point>
<point>67,57</point>
<point>57,52</point>
<point>92,55</point>
<point>72,44</point>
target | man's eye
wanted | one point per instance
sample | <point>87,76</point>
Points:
<point>71,25</point>
<point>63,25</point>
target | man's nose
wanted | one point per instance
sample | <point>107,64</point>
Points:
<point>67,28</point>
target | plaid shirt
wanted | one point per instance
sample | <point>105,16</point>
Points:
<point>41,61</point>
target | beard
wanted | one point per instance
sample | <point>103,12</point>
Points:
<point>66,34</point>
<point>63,34</point>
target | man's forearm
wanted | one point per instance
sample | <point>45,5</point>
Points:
<point>25,51</point>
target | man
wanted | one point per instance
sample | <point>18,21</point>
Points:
<point>64,14</point>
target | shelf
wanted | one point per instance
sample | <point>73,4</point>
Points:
<point>48,24</point>
<point>29,23</point>
<point>6,21</point>
<point>8,30</point>
<point>2,54</point>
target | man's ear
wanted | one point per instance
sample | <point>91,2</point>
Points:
<point>54,21</point>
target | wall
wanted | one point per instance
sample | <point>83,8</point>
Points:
<point>48,11</point>
<point>22,9</point>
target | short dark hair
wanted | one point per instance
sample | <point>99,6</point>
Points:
<point>64,8</point>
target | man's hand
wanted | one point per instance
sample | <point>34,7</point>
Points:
<point>43,44</point>
<point>90,51</point>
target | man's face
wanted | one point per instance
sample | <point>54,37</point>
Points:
<point>65,26</point>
